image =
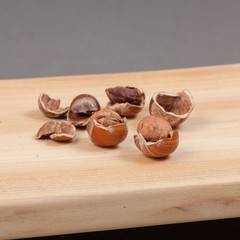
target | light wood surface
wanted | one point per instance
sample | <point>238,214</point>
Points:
<point>48,187</point>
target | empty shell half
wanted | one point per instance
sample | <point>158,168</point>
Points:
<point>175,108</point>
<point>57,130</point>
<point>51,107</point>
<point>81,108</point>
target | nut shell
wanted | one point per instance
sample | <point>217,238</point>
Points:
<point>106,136</point>
<point>175,108</point>
<point>51,107</point>
<point>161,148</point>
<point>57,130</point>
<point>126,109</point>
<point>81,109</point>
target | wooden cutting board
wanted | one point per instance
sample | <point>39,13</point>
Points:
<point>48,187</point>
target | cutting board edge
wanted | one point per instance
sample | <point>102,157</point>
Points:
<point>122,210</point>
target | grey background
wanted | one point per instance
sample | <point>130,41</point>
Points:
<point>56,37</point>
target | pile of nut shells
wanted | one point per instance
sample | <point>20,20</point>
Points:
<point>156,134</point>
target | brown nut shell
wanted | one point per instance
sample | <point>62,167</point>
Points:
<point>155,137</point>
<point>126,101</point>
<point>81,109</point>
<point>109,135</point>
<point>161,148</point>
<point>57,130</point>
<point>175,108</point>
<point>51,107</point>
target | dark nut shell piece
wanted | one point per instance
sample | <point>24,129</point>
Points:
<point>175,108</point>
<point>126,101</point>
<point>124,94</point>
<point>51,107</point>
<point>106,128</point>
<point>81,109</point>
<point>57,130</point>
<point>155,137</point>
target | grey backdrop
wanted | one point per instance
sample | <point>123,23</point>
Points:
<point>56,37</point>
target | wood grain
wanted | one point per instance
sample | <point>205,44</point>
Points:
<point>48,187</point>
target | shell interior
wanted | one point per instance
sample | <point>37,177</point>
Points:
<point>180,104</point>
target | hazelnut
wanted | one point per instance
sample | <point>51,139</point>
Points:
<point>106,128</point>
<point>57,130</point>
<point>155,137</point>
<point>51,107</point>
<point>126,101</point>
<point>82,108</point>
<point>175,108</point>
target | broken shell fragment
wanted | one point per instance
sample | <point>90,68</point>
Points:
<point>81,109</point>
<point>126,101</point>
<point>175,108</point>
<point>51,107</point>
<point>57,130</point>
<point>155,137</point>
<point>106,128</point>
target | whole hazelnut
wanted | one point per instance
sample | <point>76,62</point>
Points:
<point>155,137</point>
<point>175,108</point>
<point>51,107</point>
<point>106,128</point>
<point>126,101</point>
<point>81,109</point>
<point>57,130</point>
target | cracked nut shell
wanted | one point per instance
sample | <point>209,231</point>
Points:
<point>81,109</point>
<point>51,107</point>
<point>57,130</point>
<point>106,128</point>
<point>155,137</point>
<point>175,108</point>
<point>126,101</point>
